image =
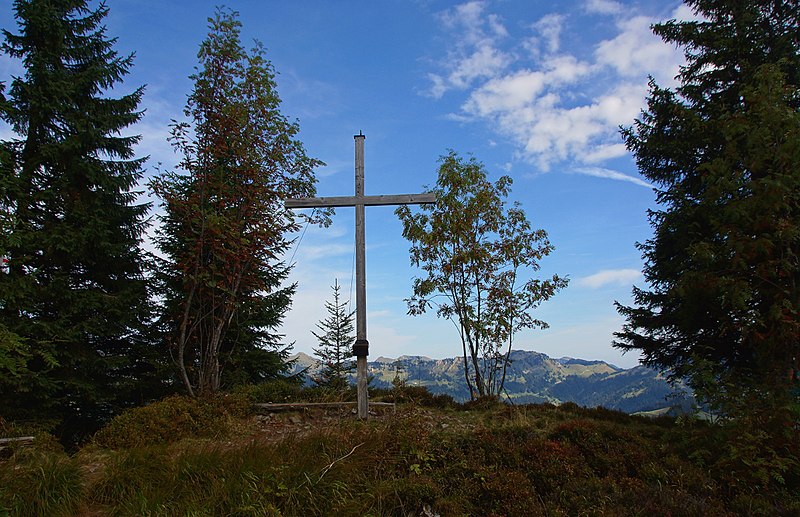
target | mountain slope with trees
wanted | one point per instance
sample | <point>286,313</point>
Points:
<point>532,377</point>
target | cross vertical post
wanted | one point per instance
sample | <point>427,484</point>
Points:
<point>359,201</point>
<point>361,346</point>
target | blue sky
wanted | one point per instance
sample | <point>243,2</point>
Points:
<point>535,90</point>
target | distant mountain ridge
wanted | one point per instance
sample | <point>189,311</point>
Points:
<point>532,377</point>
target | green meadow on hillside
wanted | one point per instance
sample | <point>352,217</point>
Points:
<point>428,456</point>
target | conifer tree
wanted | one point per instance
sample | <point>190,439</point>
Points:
<point>225,224</point>
<point>335,343</point>
<point>73,295</point>
<point>723,306</point>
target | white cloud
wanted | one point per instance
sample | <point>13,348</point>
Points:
<point>603,7</point>
<point>496,26</point>
<point>470,20</point>
<point>438,86</point>
<point>557,107</point>
<point>599,172</point>
<point>309,252</point>
<point>529,106</point>
<point>686,13</point>
<point>636,51</point>
<point>548,35</point>
<point>476,54</point>
<point>467,15</point>
<point>519,89</point>
<point>605,277</point>
<point>604,152</point>
<point>484,62</point>
<point>333,167</point>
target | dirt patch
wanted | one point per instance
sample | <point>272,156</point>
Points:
<point>276,426</point>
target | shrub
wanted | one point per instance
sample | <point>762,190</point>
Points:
<point>482,403</point>
<point>328,394</point>
<point>272,391</point>
<point>421,396</point>
<point>608,448</point>
<point>170,420</point>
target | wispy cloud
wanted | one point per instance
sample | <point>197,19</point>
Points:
<point>606,277</point>
<point>599,172</point>
<point>558,105</point>
<point>603,7</point>
<point>547,35</point>
<point>475,54</point>
<point>308,252</point>
<point>636,51</point>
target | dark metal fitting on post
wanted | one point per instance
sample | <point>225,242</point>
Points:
<point>361,348</point>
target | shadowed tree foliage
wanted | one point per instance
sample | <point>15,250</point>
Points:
<point>72,297</point>
<point>224,224</point>
<point>335,343</point>
<point>723,304</point>
<point>477,255</point>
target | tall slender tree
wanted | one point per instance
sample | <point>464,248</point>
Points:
<point>723,266</point>
<point>335,343</point>
<point>225,225</point>
<point>478,256</point>
<point>73,294</point>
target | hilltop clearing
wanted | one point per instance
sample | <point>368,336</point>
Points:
<point>185,457</point>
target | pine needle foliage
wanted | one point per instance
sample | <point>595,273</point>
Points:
<point>723,267</point>
<point>335,343</point>
<point>73,296</point>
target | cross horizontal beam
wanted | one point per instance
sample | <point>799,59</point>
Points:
<point>340,201</point>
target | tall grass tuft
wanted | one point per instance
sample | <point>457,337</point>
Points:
<point>45,484</point>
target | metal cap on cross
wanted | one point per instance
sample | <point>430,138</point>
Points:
<point>359,201</point>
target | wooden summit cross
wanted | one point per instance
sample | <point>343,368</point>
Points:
<point>361,346</point>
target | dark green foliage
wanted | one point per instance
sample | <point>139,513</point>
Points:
<point>273,391</point>
<point>722,149</point>
<point>723,307</point>
<point>335,344</point>
<point>14,354</point>
<point>419,395</point>
<point>73,300</point>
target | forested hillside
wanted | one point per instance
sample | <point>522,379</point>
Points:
<point>532,377</point>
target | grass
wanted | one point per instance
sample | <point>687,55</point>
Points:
<point>450,460</point>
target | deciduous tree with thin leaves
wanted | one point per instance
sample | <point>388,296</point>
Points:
<point>336,340</point>
<point>224,228</point>
<point>478,255</point>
